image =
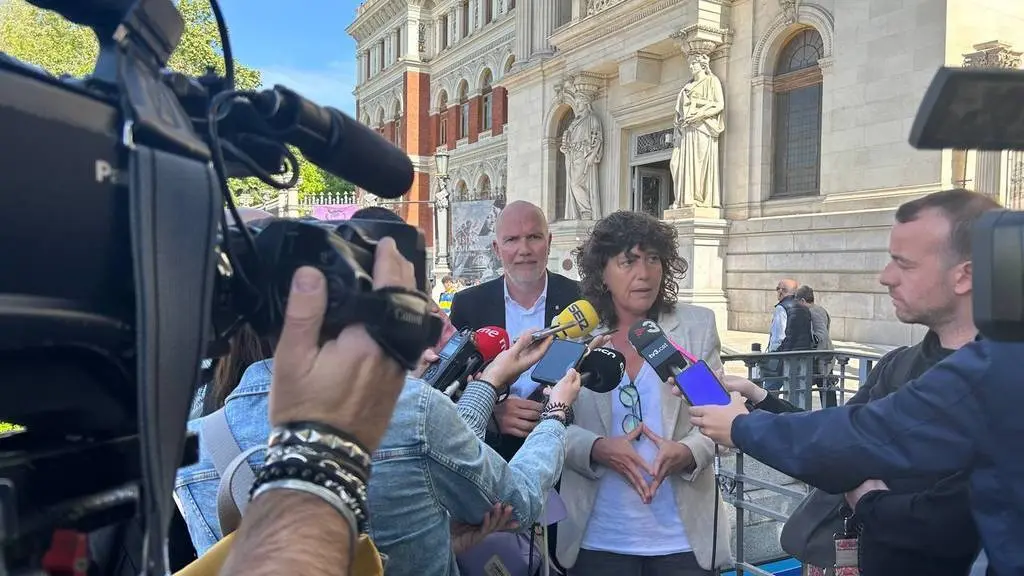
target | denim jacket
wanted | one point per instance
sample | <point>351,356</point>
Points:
<point>432,467</point>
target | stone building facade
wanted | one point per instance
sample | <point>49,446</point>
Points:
<point>818,97</point>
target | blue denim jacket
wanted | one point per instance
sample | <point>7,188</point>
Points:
<point>432,467</point>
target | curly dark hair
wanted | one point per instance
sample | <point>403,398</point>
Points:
<point>615,234</point>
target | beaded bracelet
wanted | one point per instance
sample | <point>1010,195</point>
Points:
<point>317,473</point>
<point>553,410</point>
<point>326,437</point>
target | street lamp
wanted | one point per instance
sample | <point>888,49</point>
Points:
<point>442,220</point>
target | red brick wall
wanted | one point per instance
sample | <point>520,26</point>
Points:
<point>474,118</point>
<point>498,99</point>
<point>389,131</point>
<point>418,137</point>
<point>435,130</point>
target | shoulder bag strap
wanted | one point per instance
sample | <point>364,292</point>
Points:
<point>227,456</point>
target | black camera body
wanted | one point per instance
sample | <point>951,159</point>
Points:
<point>120,270</point>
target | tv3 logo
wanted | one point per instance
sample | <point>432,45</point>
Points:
<point>647,327</point>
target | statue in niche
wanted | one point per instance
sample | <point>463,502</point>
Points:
<point>583,145</point>
<point>699,123</point>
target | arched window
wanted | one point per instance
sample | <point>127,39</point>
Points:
<point>483,188</point>
<point>380,121</point>
<point>442,119</point>
<point>486,105</point>
<point>398,124</point>
<point>560,175</point>
<point>796,165</point>
<point>463,110</point>
<point>461,191</point>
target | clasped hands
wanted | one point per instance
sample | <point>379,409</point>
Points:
<point>619,454</point>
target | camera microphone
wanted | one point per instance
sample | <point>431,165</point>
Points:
<point>336,142</point>
<point>576,321</point>
<point>602,370</point>
<point>464,355</point>
<point>651,342</point>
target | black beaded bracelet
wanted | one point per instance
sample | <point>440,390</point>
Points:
<point>553,409</point>
<point>349,490</point>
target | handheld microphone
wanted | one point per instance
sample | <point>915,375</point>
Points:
<point>650,342</point>
<point>602,370</point>
<point>465,354</point>
<point>337,143</point>
<point>576,321</point>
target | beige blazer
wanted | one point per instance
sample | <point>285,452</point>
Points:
<point>693,328</point>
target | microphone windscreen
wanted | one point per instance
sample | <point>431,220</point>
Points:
<point>491,341</point>
<point>602,369</point>
<point>580,317</point>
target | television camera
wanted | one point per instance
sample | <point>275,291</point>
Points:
<point>980,109</point>
<point>121,270</point>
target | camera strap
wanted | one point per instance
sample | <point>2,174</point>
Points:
<point>398,319</point>
<point>174,205</point>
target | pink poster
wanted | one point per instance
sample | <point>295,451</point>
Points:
<point>334,211</point>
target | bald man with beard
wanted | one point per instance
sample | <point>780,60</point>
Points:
<point>526,296</point>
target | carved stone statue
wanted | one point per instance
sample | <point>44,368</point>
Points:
<point>583,146</point>
<point>699,123</point>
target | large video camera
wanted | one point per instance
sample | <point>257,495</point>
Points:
<point>120,269</point>
<point>983,109</point>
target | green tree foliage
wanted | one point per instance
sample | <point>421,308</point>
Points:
<point>45,39</point>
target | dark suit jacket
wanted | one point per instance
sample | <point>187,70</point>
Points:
<point>484,305</point>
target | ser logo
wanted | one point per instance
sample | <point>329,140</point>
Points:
<point>605,351</point>
<point>579,317</point>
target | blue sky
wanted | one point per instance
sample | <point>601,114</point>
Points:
<point>299,43</point>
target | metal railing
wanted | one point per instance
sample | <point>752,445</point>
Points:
<point>801,384</point>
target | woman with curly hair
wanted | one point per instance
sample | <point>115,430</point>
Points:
<point>638,482</point>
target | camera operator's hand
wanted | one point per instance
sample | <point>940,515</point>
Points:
<point>510,364</point>
<point>349,382</point>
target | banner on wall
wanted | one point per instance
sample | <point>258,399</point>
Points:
<point>472,233</point>
<point>333,211</point>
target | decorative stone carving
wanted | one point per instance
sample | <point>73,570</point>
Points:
<point>583,146</point>
<point>595,6</point>
<point>421,38</point>
<point>993,54</point>
<point>699,123</point>
<point>791,10</point>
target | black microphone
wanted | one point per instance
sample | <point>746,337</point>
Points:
<point>336,142</point>
<point>650,342</point>
<point>602,370</point>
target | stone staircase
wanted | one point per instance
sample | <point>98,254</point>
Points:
<point>761,534</point>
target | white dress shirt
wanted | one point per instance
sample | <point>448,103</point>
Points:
<point>517,321</point>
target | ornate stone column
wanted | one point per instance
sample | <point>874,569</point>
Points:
<point>703,231</point>
<point>442,221</point>
<point>543,25</point>
<point>524,27</point>
<point>989,178</point>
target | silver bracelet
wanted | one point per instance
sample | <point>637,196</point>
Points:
<point>324,494</point>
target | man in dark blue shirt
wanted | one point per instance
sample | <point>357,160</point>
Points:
<point>963,414</point>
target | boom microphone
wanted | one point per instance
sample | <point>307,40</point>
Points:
<point>650,342</point>
<point>465,354</point>
<point>337,143</point>
<point>576,321</point>
<point>602,370</point>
